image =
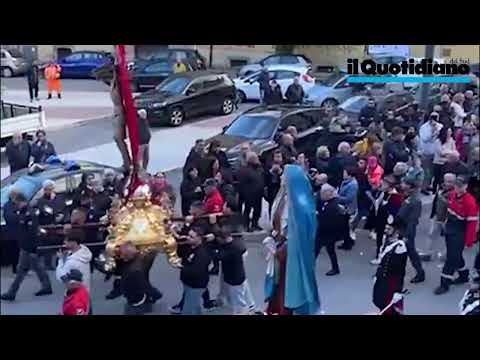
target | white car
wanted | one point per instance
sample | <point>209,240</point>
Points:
<point>248,87</point>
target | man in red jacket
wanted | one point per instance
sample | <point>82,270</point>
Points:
<point>77,298</point>
<point>213,202</point>
<point>460,231</point>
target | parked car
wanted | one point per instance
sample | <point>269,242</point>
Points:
<point>248,87</point>
<point>31,186</point>
<point>354,105</point>
<point>81,64</point>
<point>12,63</point>
<point>148,73</point>
<point>263,125</point>
<point>276,59</point>
<point>186,95</point>
<point>335,89</point>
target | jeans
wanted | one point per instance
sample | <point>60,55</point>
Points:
<point>412,251</point>
<point>192,304</point>
<point>237,297</point>
<point>26,262</point>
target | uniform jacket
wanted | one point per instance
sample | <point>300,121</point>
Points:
<point>330,219</point>
<point>24,223</point>
<point>462,215</point>
<point>410,212</point>
<point>76,302</point>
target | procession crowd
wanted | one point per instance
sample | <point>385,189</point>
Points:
<point>405,152</point>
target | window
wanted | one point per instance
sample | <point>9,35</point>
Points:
<point>301,121</point>
<point>182,55</point>
<point>288,59</point>
<point>273,60</point>
<point>74,57</point>
<point>283,75</point>
<point>197,86</point>
<point>157,67</point>
<point>3,55</point>
<point>173,86</point>
<point>254,126</point>
<point>446,52</point>
<point>91,56</point>
<point>212,82</point>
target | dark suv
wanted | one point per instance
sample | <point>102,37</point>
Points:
<point>262,126</point>
<point>148,73</point>
<point>186,95</point>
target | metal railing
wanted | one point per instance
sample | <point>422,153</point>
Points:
<point>9,110</point>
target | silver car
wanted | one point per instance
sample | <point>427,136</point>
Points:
<point>276,59</point>
<point>12,63</point>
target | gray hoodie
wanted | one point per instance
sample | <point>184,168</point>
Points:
<point>79,260</point>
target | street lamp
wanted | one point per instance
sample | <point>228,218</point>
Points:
<point>210,57</point>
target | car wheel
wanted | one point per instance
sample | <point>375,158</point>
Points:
<point>330,104</point>
<point>176,116</point>
<point>227,106</point>
<point>242,97</point>
<point>7,72</point>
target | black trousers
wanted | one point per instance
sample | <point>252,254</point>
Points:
<point>330,246</point>
<point>148,263</point>
<point>476,265</point>
<point>454,261</point>
<point>413,253</point>
<point>33,91</point>
<point>256,205</point>
<point>437,176</point>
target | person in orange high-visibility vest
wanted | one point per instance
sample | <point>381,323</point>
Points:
<point>52,75</point>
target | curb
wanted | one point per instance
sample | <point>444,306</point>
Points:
<point>77,123</point>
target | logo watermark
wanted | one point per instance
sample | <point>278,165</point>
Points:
<point>408,71</point>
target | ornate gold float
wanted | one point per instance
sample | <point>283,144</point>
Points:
<point>141,223</point>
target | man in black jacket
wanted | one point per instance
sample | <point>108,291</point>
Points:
<point>190,189</point>
<point>264,84</point>
<point>32,77</point>
<point>409,215</point>
<point>251,183</point>
<point>216,151</point>
<point>295,93</point>
<point>395,150</point>
<point>274,96</point>
<point>273,176</point>
<point>42,149</point>
<point>227,190</point>
<point>368,113</point>
<point>339,163</point>
<point>134,282</point>
<point>196,154</point>
<point>194,273</point>
<point>10,247</point>
<point>18,153</point>
<point>330,220</point>
<point>26,220</point>
<point>455,166</point>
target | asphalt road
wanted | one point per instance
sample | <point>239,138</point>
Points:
<point>20,82</point>
<point>346,294</point>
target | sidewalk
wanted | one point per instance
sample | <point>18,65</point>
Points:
<point>74,107</point>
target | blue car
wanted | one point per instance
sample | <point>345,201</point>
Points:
<point>80,64</point>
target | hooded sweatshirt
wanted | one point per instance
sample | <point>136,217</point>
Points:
<point>79,260</point>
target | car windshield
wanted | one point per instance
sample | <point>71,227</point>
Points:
<point>173,86</point>
<point>332,79</point>
<point>253,126</point>
<point>354,104</point>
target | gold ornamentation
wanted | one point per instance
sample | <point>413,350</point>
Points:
<point>143,224</point>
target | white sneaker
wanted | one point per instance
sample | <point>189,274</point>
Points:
<point>375,261</point>
<point>372,235</point>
